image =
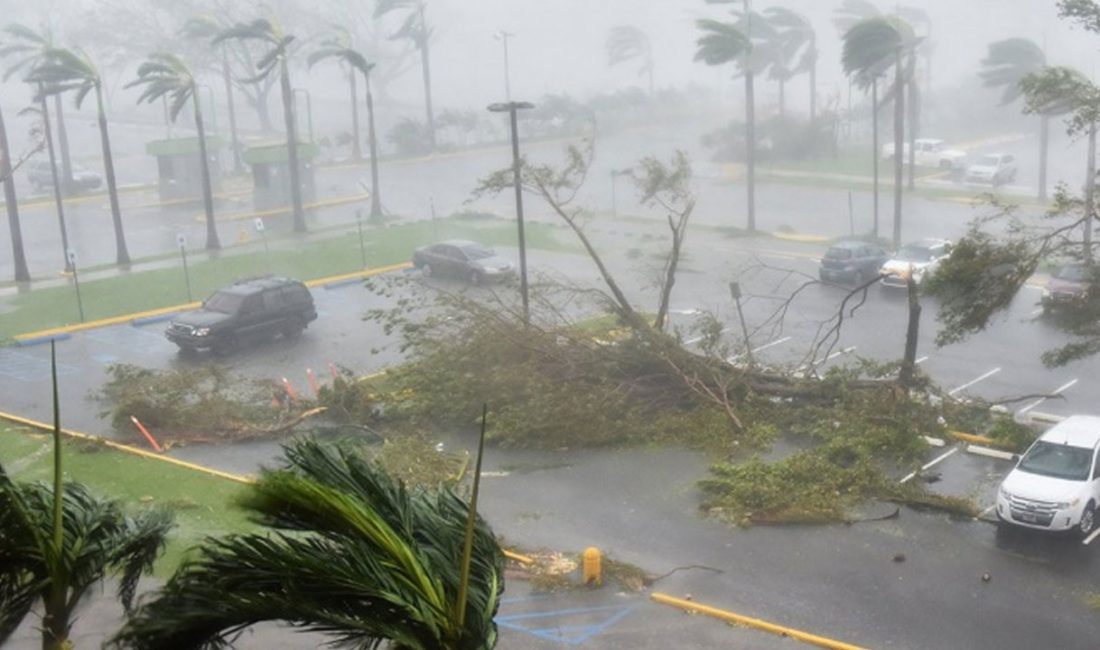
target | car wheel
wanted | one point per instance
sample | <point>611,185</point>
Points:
<point>858,279</point>
<point>426,270</point>
<point>1088,521</point>
<point>476,278</point>
<point>292,329</point>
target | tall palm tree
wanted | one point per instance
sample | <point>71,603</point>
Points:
<point>870,47</point>
<point>29,46</point>
<point>271,33</point>
<point>354,554</point>
<point>57,542</point>
<point>1005,65</point>
<point>796,52</point>
<point>627,42</point>
<point>357,64</point>
<point>62,70</point>
<point>165,76</point>
<point>19,257</point>
<point>416,29</point>
<point>206,28</point>
<point>747,42</point>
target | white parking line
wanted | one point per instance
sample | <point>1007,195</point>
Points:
<point>762,347</point>
<point>684,312</point>
<point>932,462</point>
<point>974,381</point>
<point>1088,540</point>
<point>832,356</point>
<point>1036,312</point>
<point>921,360</point>
<point>1063,387</point>
<point>987,510</point>
<point>700,338</point>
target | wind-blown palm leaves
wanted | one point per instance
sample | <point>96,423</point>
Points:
<point>206,28</point>
<point>57,542</point>
<point>626,43</point>
<point>166,76</point>
<point>60,71</point>
<point>870,47</point>
<point>356,555</point>
<point>357,63</point>
<point>796,52</point>
<point>272,62</point>
<point>415,28</point>
<point>748,42</point>
<point>1006,64</point>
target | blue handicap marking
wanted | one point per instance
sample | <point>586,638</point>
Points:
<point>573,631</point>
<point>22,366</point>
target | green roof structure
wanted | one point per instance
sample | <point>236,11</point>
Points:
<point>182,146</point>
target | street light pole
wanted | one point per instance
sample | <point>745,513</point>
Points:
<point>511,108</point>
<point>309,110</point>
<point>503,36</point>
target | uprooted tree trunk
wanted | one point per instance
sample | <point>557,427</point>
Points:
<point>679,229</point>
<point>909,360</point>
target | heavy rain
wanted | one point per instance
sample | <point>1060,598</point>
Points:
<point>432,324</point>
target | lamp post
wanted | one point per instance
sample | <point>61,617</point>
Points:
<point>76,283</point>
<point>511,108</point>
<point>735,293</point>
<point>181,240</point>
<point>309,109</point>
<point>503,36</point>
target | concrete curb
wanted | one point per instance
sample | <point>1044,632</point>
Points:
<point>755,623</point>
<point>989,452</point>
<point>804,238</point>
<point>38,340</point>
<point>241,216</point>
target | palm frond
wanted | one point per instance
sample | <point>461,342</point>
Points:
<point>257,30</point>
<point>24,33</point>
<point>853,11</point>
<point>205,26</point>
<point>383,7</point>
<point>625,42</point>
<point>869,49</point>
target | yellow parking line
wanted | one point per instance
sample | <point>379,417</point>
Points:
<point>343,200</point>
<point>366,273</point>
<point>79,435</point>
<point>731,617</point>
<point>84,198</point>
<point>802,237</point>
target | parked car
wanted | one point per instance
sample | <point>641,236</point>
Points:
<point>41,176</point>
<point>1069,285</point>
<point>851,261</point>
<point>250,309</point>
<point>1056,484</point>
<point>929,152</point>
<point>919,258</point>
<point>993,168</point>
<point>463,259</point>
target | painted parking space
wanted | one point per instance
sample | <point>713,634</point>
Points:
<point>27,367</point>
<point>571,626</point>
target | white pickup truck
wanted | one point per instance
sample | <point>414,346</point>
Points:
<point>929,153</point>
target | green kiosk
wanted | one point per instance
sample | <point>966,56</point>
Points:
<point>271,173</point>
<point>179,175</point>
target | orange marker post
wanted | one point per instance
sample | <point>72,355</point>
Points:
<point>313,382</point>
<point>290,392</point>
<point>148,436</point>
<point>332,369</point>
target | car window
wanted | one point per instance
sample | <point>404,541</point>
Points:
<point>1096,465</point>
<point>295,295</point>
<point>1057,461</point>
<point>274,300</point>
<point>914,254</point>
<point>252,304</point>
<point>838,254</point>
<point>1071,273</point>
<point>224,302</point>
<point>476,252</point>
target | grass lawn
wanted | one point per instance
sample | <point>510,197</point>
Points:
<point>202,504</point>
<point>144,290</point>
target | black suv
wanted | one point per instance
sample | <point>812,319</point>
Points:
<point>249,309</point>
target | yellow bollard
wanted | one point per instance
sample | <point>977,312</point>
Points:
<point>592,572</point>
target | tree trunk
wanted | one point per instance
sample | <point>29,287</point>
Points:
<point>782,99</point>
<point>212,242</point>
<point>875,153</point>
<point>649,74</point>
<point>1044,147</point>
<point>1090,196</point>
<point>914,130</point>
<point>899,144</point>
<point>63,144</point>
<point>55,632</point>
<point>426,70</point>
<point>813,88</point>
<point>356,150</point>
<point>678,232</point>
<point>292,148</point>
<point>909,360</point>
<point>750,149</point>
<point>58,202</point>
<point>19,258</point>
<point>259,102</point>
<point>238,167</point>
<point>375,198</point>
<point>122,255</point>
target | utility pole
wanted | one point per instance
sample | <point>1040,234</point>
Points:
<point>511,108</point>
<point>503,36</point>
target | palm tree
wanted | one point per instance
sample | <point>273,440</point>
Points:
<point>626,42</point>
<point>354,554</point>
<point>57,542</point>
<point>271,32</point>
<point>19,257</point>
<point>207,27</point>
<point>357,63</point>
<point>796,52</point>
<point>1006,64</point>
<point>416,29</point>
<point>746,42</point>
<point>61,70</point>
<point>870,46</point>
<point>29,46</point>
<point>166,76</point>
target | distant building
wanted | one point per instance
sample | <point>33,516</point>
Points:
<point>179,174</point>
<point>271,173</point>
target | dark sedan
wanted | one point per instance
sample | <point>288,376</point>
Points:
<point>851,261</point>
<point>1067,287</point>
<point>460,258</point>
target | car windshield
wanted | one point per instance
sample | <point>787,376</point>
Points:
<point>1057,461</point>
<point>1071,272</point>
<point>838,253</point>
<point>914,254</point>
<point>989,161</point>
<point>224,302</point>
<point>477,251</point>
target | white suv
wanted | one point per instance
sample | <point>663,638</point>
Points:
<point>1056,484</point>
<point>992,168</point>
